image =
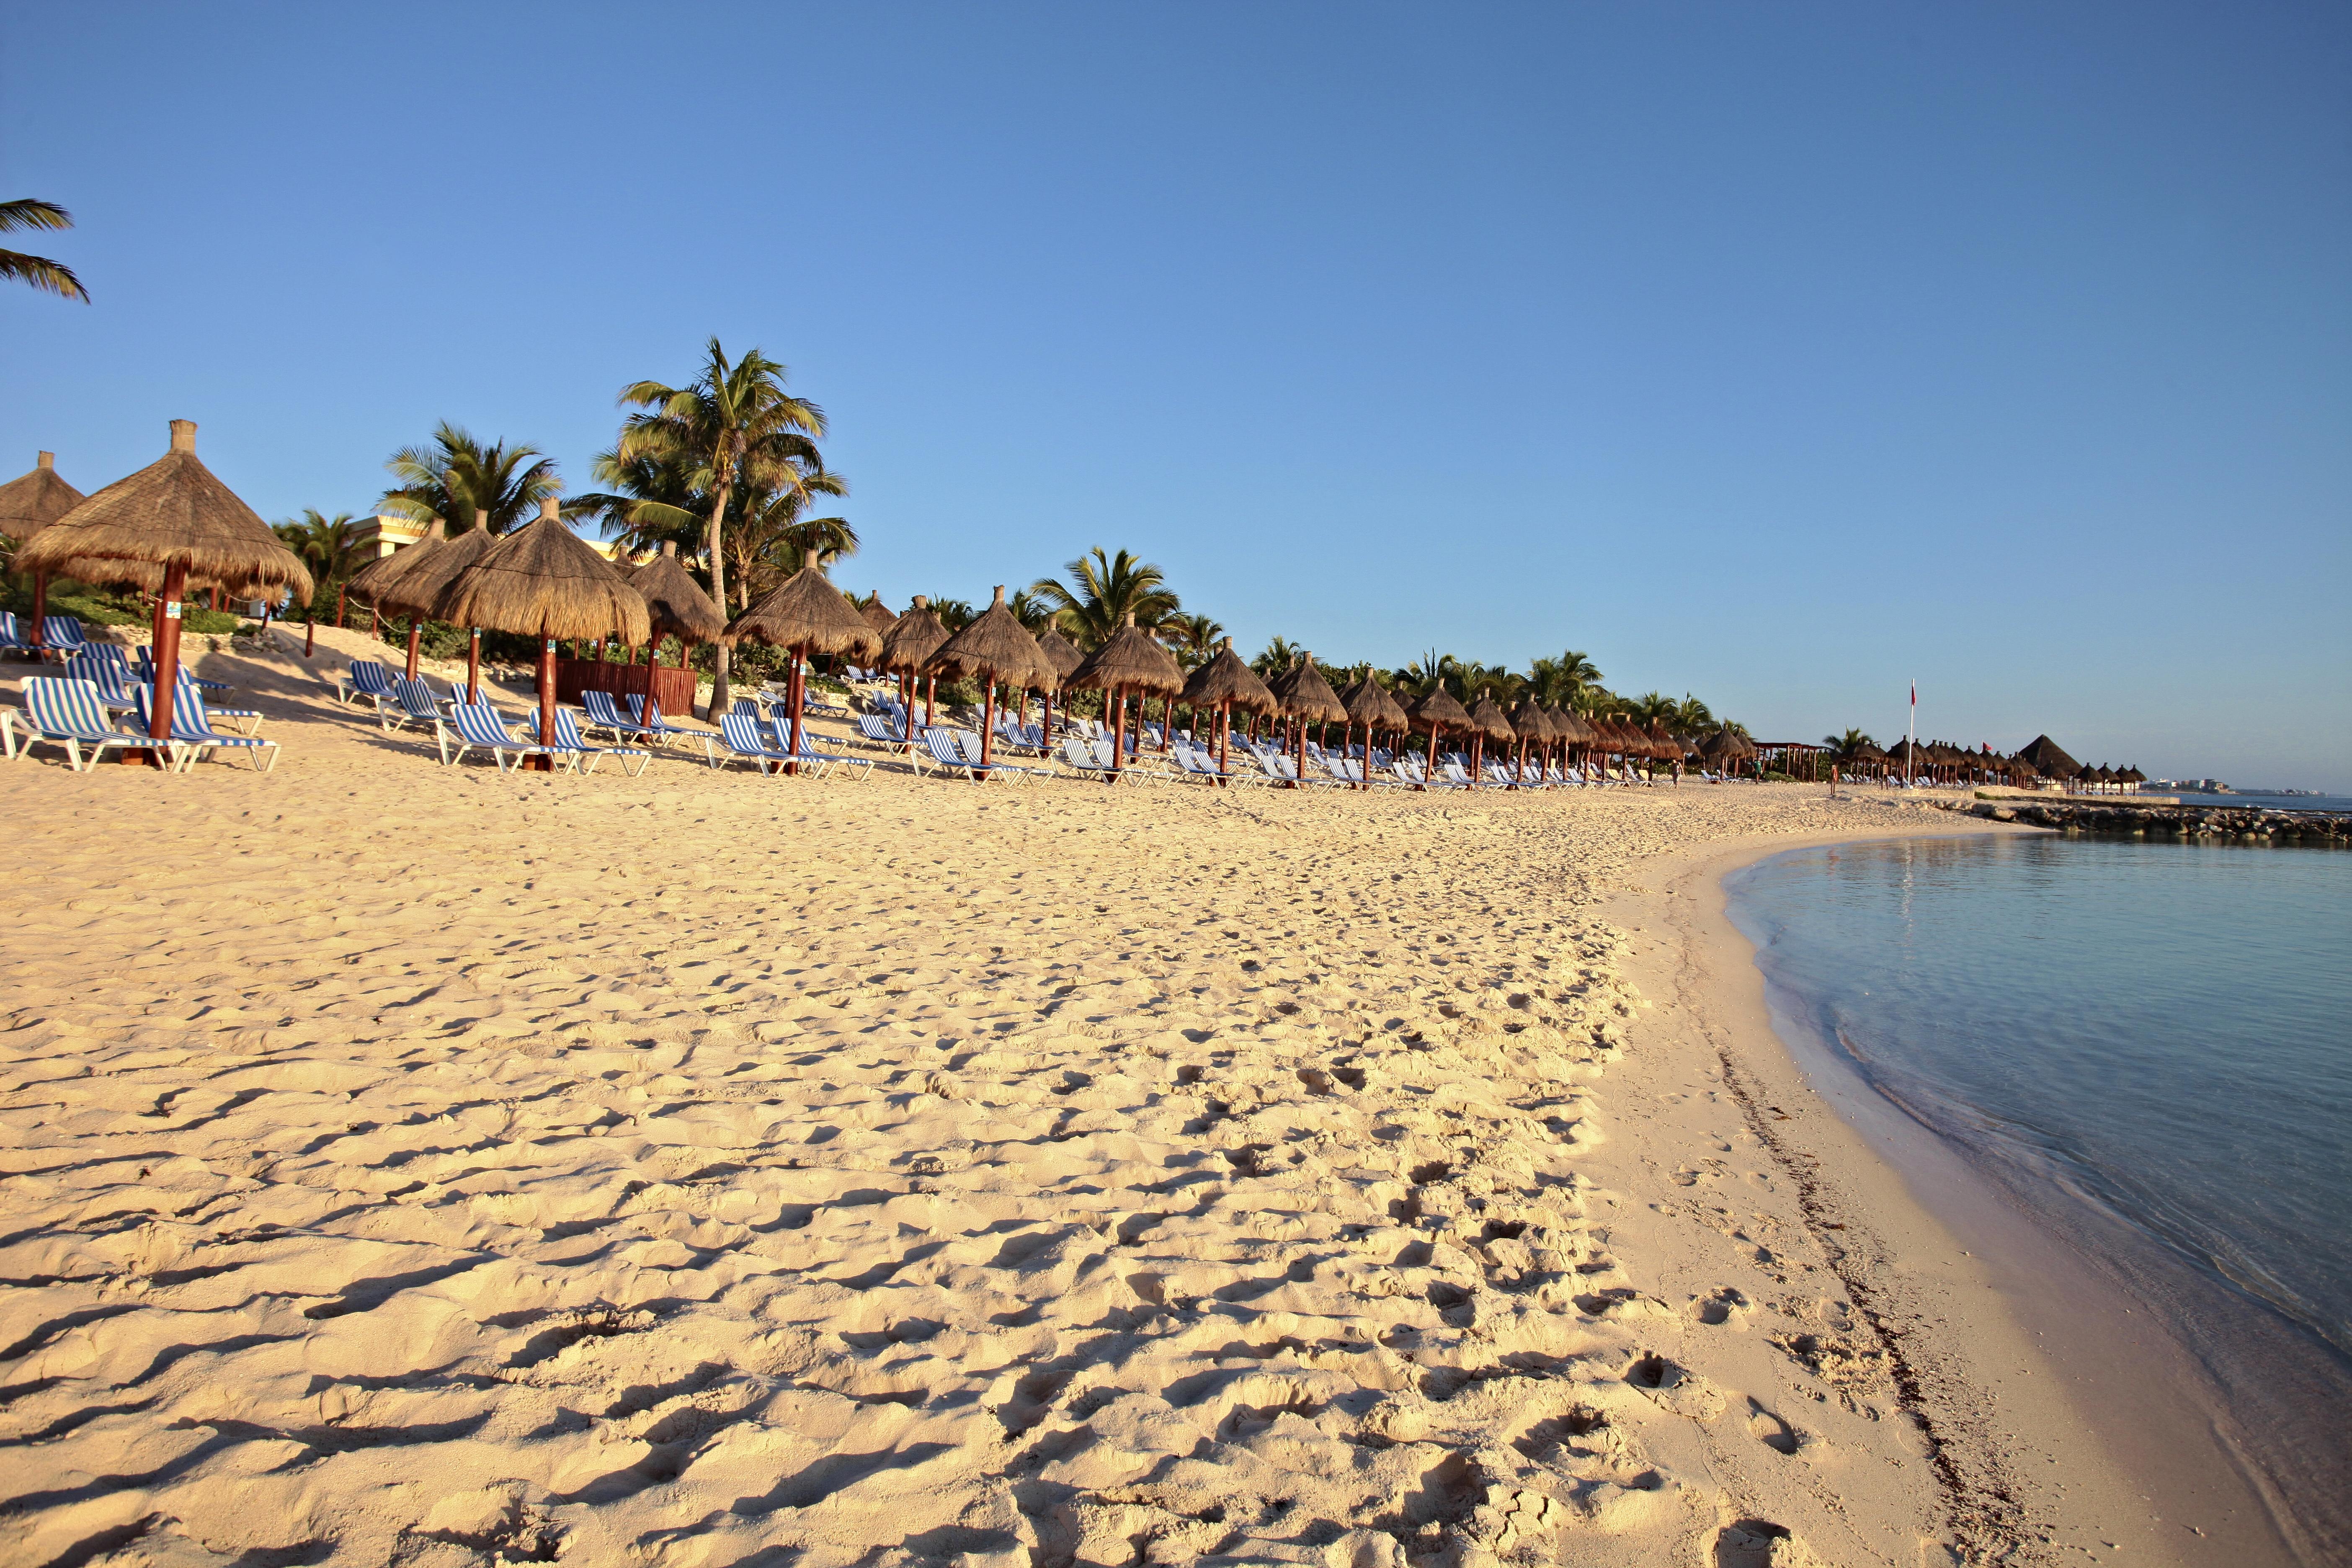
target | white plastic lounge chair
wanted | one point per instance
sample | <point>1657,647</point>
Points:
<point>604,714</point>
<point>1079,757</point>
<point>363,677</point>
<point>741,735</point>
<point>875,729</point>
<point>192,735</point>
<point>68,714</point>
<point>11,638</point>
<point>188,685</point>
<point>651,726</point>
<point>478,724</point>
<point>824,762</point>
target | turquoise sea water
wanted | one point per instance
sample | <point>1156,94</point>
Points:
<point>2148,1048</point>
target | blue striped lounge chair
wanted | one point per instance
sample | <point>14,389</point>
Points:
<point>1079,758</point>
<point>189,686</point>
<point>412,703</point>
<point>63,635</point>
<point>605,715</point>
<point>781,728</point>
<point>365,678</point>
<point>111,680</point>
<point>473,725</point>
<point>651,726</point>
<point>144,662</point>
<point>940,741</point>
<point>192,735</point>
<point>9,735</point>
<point>878,730</point>
<point>11,638</point>
<point>742,740</point>
<point>968,742</point>
<point>68,714</point>
<point>584,756</point>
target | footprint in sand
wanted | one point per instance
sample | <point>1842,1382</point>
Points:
<point>1726,1306</point>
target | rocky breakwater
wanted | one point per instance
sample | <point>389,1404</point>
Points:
<point>2207,824</point>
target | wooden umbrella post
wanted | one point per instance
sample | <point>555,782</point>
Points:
<point>1298,764</point>
<point>40,614</point>
<point>474,665</point>
<point>546,703</point>
<point>340,588</point>
<point>987,721</point>
<point>1225,735</point>
<point>1117,736</point>
<point>310,633</point>
<point>167,658</point>
<point>795,698</point>
<point>416,636</point>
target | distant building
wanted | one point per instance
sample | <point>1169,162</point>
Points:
<point>385,534</point>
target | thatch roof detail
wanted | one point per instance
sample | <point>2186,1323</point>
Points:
<point>1132,660</point>
<point>912,639</point>
<point>675,605</point>
<point>2047,758</point>
<point>878,614</point>
<point>1305,695</point>
<point>1568,726</point>
<point>172,512</point>
<point>1368,703</point>
<point>1437,711</point>
<point>543,581</point>
<point>1868,751</point>
<point>806,611</point>
<point>1486,719</point>
<point>1225,678</point>
<point>1059,651</point>
<point>378,574</point>
<point>429,578</point>
<point>997,646</point>
<point>1532,723</point>
<point>31,501</point>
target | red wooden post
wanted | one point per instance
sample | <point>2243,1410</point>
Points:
<point>167,652</point>
<point>546,699</point>
<point>930,700</point>
<point>416,635</point>
<point>987,721</point>
<point>41,613</point>
<point>795,698</point>
<point>339,589</point>
<point>474,665</point>
<point>309,635</point>
<point>375,622</point>
<point>1298,764</point>
<point>1117,736</point>
<point>1224,732</point>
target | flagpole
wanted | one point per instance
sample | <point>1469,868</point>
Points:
<point>1911,734</point>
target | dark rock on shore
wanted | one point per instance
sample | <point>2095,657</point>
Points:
<point>2215,824</point>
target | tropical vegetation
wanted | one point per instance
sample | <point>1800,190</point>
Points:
<point>455,475</point>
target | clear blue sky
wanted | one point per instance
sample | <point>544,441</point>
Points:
<point>1777,353</point>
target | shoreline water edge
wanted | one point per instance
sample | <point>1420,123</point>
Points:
<point>2105,1420</point>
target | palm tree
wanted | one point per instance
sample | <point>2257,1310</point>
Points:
<point>456,476</point>
<point>1559,681</point>
<point>1109,589</point>
<point>1849,745</point>
<point>1193,637</point>
<point>1280,654</point>
<point>649,504</point>
<point>49,277</point>
<point>1423,675</point>
<point>733,423</point>
<point>325,544</point>
<point>773,541</point>
<point>953,614</point>
<point>1031,610</point>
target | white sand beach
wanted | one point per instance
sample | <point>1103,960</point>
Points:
<point>419,1166</point>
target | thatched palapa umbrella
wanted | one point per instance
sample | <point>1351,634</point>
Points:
<point>907,646</point>
<point>1222,684</point>
<point>1128,660</point>
<point>1308,699</point>
<point>175,515</point>
<point>1486,723</point>
<point>29,503</point>
<point>1435,711</point>
<point>1063,655</point>
<point>428,581</point>
<point>544,582</point>
<point>878,615</point>
<point>996,647</point>
<point>392,583</point>
<point>676,605</point>
<point>1368,703</point>
<point>806,614</point>
<point>1532,725</point>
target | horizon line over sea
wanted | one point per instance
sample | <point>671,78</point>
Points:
<point>2139,1047</point>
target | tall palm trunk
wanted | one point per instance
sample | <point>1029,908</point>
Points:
<point>719,698</point>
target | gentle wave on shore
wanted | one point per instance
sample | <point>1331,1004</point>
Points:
<point>2146,1044</point>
